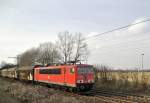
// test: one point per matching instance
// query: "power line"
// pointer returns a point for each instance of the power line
(124, 46)
(129, 40)
(146, 20)
(129, 44)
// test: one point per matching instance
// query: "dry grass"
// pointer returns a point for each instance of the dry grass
(124, 81)
(29, 93)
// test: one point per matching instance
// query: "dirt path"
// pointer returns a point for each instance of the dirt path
(5, 98)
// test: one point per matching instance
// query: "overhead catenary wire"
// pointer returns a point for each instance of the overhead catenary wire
(123, 27)
(145, 20)
(124, 49)
(119, 28)
(147, 38)
(124, 46)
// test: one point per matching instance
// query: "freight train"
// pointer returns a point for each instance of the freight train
(75, 77)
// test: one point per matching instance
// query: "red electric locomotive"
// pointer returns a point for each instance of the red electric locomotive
(78, 77)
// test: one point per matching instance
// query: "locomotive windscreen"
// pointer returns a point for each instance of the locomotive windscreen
(85, 69)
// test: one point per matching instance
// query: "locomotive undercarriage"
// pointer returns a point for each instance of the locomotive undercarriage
(78, 88)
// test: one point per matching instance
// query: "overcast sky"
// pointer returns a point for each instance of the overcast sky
(26, 23)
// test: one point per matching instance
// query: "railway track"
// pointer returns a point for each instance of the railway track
(103, 96)
(118, 97)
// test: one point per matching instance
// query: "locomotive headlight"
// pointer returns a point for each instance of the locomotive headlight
(90, 81)
(79, 81)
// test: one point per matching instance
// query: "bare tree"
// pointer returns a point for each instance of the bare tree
(47, 53)
(28, 57)
(72, 46)
(65, 45)
(68, 47)
(81, 48)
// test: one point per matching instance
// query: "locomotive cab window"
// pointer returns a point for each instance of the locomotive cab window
(84, 70)
(50, 71)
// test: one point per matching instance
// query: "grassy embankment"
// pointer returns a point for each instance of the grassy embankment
(128, 81)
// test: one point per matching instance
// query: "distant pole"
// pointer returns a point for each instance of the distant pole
(142, 60)
(17, 58)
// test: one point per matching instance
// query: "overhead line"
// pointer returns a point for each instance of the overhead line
(119, 28)
(147, 38)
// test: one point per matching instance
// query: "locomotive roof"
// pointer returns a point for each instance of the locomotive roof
(58, 66)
